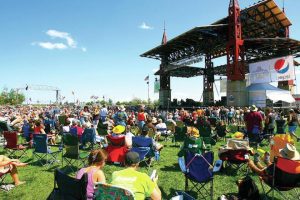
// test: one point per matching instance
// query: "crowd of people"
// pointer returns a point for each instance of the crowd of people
(118, 121)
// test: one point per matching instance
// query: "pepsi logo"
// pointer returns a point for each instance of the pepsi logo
(281, 66)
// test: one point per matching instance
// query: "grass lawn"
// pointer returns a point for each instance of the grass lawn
(40, 180)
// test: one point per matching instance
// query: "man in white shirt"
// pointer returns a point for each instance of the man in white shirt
(103, 113)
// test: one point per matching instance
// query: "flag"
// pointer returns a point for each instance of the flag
(29, 99)
(73, 93)
(156, 86)
(26, 88)
(147, 78)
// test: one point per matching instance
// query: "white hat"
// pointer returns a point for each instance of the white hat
(253, 108)
(290, 152)
(122, 108)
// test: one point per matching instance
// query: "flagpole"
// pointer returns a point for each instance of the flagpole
(148, 93)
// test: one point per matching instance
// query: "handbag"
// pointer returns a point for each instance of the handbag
(55, 195)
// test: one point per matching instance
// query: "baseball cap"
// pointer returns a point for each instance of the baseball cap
(132, 158)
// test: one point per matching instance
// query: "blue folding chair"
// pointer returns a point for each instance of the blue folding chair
(26, 131)
(88, 137)
(199, 172)
(42, 151)
(73, 131)
(144, 147)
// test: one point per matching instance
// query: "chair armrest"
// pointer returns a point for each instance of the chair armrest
(217, 166)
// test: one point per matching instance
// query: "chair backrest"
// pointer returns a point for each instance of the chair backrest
(106, 191)
(199, 167)
(40, 143)
(139, 141)
(71, 188)
(194, 145)
(89, 135)
(287, 172)
(26, 129)
(116, 141)
(180, 124)
(11, 139)
(71, 145)
(205, 131)
(73, 130)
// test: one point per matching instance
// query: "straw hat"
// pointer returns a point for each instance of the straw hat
(290, 152)
(122, 108)
(253, 108)
(118, 129)
(192, 131)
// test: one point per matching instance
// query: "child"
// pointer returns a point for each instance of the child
(96, 162)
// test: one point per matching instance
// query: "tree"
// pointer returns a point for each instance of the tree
(13, 97)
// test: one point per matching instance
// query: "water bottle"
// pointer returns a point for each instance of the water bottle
(156, 155)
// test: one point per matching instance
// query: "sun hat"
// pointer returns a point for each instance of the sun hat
(290, 152)
(122, 108)
(253, 108)
(291, 110)
(192, 131)
(132, 158)
(118, 129)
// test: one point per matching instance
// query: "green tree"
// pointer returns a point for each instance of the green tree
(13, 97)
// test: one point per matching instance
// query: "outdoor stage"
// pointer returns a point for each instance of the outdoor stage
(256, 33)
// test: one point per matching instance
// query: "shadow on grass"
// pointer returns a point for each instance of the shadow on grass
(172, 168)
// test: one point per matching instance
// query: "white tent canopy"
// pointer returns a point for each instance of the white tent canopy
(260, 92)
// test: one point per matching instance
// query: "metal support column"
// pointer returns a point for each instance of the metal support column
(208, 81)
(236, 84)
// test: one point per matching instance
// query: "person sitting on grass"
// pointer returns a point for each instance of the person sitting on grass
(10, 165)
(96, 162)
(289, 152)
(137, 182)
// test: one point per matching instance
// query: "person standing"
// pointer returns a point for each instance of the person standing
(254, 122)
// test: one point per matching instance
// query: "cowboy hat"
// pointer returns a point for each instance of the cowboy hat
(290, 152)
(122, 108)
(118, 129)
(253, 108)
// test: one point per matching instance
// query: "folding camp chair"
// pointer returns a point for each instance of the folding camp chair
(194, 145)
(233, 155)
(72, 155)
(14, 149)
(144, 147)
(236, 160)
(206, 133)
(116, 149)
(88, 138)
(42, 151)
(199, 172)
(284, 176)
(106, 191)
(66, 187)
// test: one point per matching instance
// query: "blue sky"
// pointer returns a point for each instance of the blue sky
(92, 47)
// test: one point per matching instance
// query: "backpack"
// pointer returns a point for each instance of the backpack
(247, 189)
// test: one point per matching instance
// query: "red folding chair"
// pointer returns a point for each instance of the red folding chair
(116, 149)
(283, 175)
(14, 149)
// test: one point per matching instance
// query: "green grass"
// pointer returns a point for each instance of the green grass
(40, 180)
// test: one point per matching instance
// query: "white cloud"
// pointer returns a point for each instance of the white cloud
(68, 42)
(145, 26)
(49, 45)
(63, 35)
